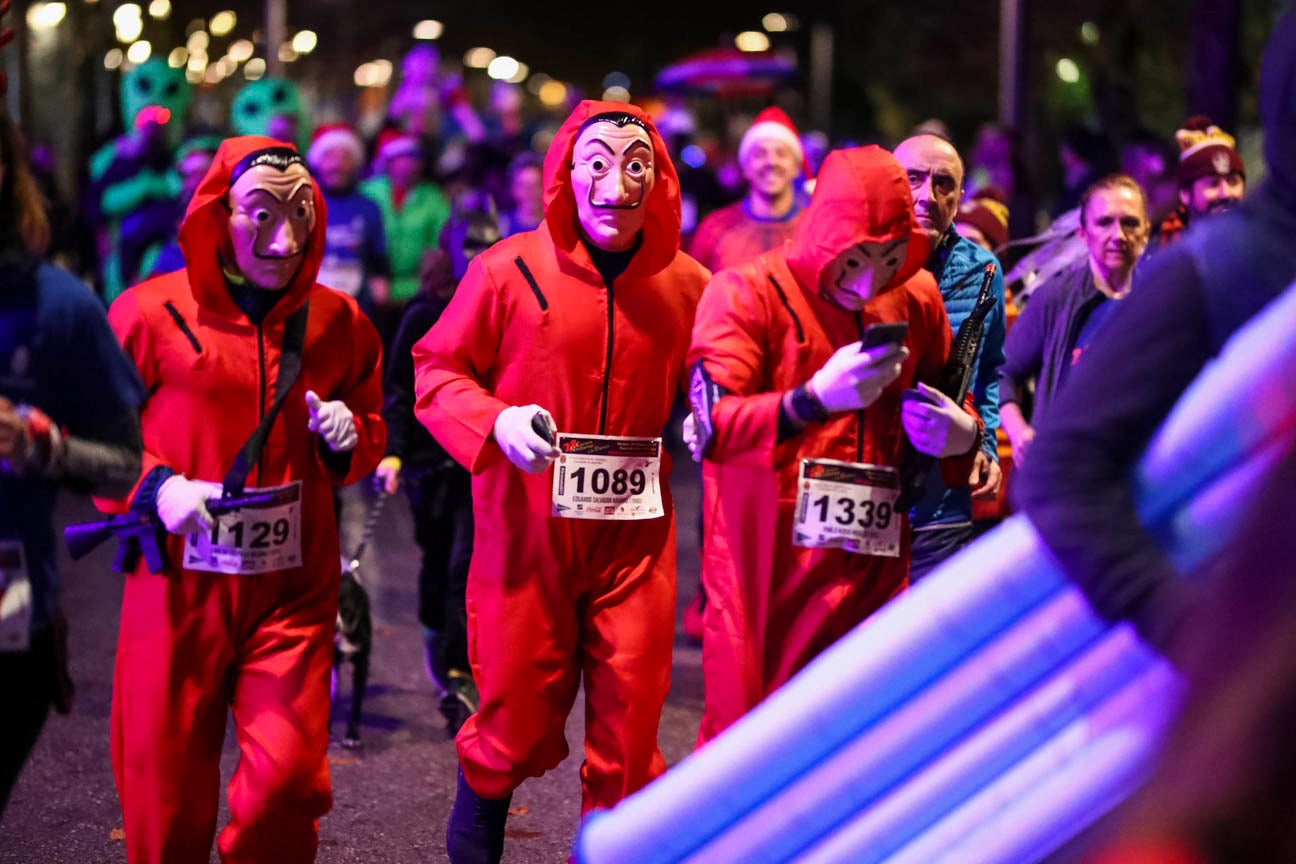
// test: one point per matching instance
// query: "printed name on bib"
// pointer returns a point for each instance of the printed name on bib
(15, 598)
(847, 505)
(606, 477)
(260, 539)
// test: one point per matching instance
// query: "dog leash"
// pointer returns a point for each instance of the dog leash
(371, 522)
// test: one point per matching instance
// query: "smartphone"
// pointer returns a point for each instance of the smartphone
(879, 334)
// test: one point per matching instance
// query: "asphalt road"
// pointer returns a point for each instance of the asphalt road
(392, 798)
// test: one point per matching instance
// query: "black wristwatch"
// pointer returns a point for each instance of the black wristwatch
(807, 406)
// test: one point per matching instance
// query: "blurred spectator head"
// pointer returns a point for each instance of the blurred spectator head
(421, 65)
(526, 182)
(1151, 160)
(471, 229)
(1085, 155)
(936, 180)
(1114, 225)
(506, 98)
(983, 219)
(335, 156)
(24, 225)
(193, 158)
(271, 107)
(1211, 175)
(770, 154)
(399, 155)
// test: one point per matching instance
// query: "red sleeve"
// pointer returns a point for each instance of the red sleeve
(132, 330)
(450, 363)
(730, 338)
(361, 391)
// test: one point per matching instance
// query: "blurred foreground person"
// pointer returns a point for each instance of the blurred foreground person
(68, 398)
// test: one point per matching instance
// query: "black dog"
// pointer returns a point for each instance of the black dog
(352, 641)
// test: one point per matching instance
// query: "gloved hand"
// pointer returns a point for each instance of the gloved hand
(689, 433)
(333, 422)
(182, 504)
(387, 475)
(854, 379)
(520, 443)
(935, 424)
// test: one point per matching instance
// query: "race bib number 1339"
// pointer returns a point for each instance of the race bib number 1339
(847, 505)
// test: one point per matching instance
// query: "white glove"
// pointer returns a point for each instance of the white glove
(333, 422)
(854, 379)
(182, 504)
(936, 425)
(689, 433)
(520, 443)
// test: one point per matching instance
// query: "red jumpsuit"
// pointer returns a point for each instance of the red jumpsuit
(194, 645)
(728, 237)
(552, 599)
(762, 329)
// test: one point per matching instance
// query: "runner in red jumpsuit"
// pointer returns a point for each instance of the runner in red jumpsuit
(583, 323)
(244, 623)
(780, 338)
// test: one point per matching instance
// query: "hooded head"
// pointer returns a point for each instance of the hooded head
(861, 213)
(258, 214)
(615, 194)
(1278, 107)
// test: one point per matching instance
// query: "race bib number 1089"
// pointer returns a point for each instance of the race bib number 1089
(607, 477)
(847, 505)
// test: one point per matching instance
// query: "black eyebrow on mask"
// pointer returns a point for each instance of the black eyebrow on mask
(639, 142)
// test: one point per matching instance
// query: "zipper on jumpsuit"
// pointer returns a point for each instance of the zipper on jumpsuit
(261, 380)
(859, 415)
(607, 366)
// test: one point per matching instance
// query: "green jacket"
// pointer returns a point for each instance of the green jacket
(410, 231)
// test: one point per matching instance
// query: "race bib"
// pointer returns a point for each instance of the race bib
(260, 539)
(604, 477)
(15, 598)
(846, 505)
(340, 275)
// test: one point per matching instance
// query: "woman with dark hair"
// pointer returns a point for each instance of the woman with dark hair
(68, 400)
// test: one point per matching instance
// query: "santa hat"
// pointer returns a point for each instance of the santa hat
(986, 211)
(393, 143)
(771, 123)
(1205, 150)
(332, 135)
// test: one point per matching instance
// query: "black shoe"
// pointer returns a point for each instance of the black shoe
(460, 701)
(475, 834)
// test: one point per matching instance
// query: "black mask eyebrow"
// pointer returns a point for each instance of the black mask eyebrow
(276, 157)
(617, 118)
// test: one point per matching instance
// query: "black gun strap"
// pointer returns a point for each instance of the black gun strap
(290, 362)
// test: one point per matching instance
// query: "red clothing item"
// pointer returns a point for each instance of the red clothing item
(727, 237)
(195, 644)
(552, 599)
(761, 330)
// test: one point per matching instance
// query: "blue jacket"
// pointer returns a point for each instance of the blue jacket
(958, 265)
(56, 354)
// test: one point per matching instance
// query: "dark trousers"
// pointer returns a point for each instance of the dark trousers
(931, 546)
(28, 688)
(441, 502)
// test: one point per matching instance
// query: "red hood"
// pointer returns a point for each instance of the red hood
(661, 230)
(206, 228)
(861, 195)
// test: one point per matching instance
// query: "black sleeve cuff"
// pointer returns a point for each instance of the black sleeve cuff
(145, 501)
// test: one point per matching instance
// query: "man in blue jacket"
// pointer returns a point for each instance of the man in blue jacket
(942, 520)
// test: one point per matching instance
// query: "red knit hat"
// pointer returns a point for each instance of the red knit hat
(1205, 150)
(986, 211)
(772, 123)
(331, 135)
(393, 143)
